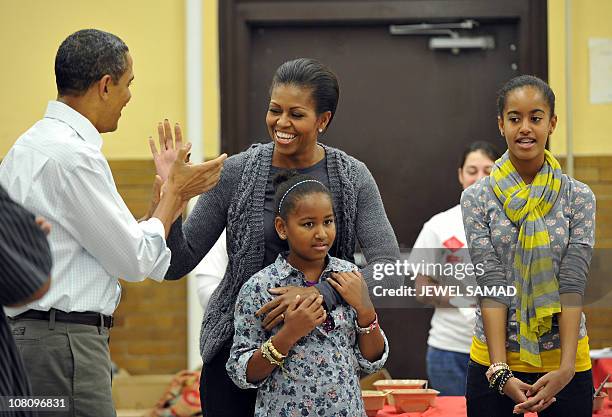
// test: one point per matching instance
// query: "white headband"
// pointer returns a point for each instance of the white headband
(291, 188)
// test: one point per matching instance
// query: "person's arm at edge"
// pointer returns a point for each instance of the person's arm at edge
(40, 292)
(18, 253)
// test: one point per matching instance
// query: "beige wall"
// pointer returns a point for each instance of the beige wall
(154, 31)
(592, 122)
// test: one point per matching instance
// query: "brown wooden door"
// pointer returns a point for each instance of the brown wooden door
(405, 110)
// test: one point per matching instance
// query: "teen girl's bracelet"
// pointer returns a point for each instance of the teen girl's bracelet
(371, 327)
(499, 379)
(506, 377)
(494, 368)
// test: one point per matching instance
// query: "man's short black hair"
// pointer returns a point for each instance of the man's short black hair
(86, 56)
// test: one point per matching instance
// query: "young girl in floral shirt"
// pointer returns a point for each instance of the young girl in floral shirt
(309, 365)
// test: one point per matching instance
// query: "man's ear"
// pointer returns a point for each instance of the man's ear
(279, 225)
(103, 86)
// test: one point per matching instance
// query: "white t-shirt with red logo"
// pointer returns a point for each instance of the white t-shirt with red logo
(444, 236)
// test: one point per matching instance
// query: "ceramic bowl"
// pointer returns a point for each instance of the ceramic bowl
(373, 401)
(608, 388)
(387, 385)
(598, 402)
(390, 384)
(413, 400)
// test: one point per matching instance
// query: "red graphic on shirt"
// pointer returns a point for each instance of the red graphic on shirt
(453, 244)
(452, 259)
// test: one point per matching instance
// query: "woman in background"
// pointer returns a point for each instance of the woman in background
(442, 241)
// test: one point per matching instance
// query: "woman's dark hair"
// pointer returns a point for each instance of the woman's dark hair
(525, 81)
(290, 186)
(86, 56)
(486, 148)
(310, 73)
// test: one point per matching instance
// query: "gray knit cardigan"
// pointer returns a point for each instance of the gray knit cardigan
(237, 203)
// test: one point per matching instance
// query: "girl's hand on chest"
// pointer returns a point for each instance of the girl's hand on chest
(353, 289)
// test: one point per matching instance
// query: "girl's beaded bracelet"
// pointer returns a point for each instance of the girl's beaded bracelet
(371, 327)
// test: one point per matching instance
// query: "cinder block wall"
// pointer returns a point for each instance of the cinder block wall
(596, 171)
(150, 333)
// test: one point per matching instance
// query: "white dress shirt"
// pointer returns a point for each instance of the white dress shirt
(56, 170)
(211, 269)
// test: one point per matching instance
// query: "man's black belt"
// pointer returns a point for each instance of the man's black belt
(87, 317)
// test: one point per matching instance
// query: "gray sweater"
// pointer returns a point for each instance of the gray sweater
(237, 203)
(492, 240)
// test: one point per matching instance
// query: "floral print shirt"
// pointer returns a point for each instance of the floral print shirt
(492, 240)
(321, 376)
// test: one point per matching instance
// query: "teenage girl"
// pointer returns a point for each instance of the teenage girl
(531, 227)
(310, 363)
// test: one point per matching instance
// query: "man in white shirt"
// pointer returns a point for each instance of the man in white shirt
(56, 170)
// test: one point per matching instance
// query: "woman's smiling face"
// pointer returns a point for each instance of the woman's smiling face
(292, 120)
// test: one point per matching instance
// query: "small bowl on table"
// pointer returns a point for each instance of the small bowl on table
(413, 400)
(388, 385)
(598, 402)
(373, 401)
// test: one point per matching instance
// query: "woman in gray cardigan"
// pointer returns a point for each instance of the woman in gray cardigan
(303, 99)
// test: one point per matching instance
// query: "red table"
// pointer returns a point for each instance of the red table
(455, 407)
(601, 367)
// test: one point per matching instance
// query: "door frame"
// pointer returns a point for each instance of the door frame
(236, 18)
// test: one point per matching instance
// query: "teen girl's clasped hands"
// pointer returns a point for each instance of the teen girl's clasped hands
(309, 364)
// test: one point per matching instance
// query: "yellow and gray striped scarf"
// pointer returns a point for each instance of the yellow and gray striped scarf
(534, 277)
